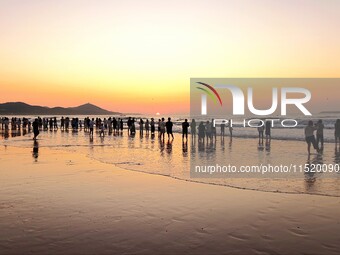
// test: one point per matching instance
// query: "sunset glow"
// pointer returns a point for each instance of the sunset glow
(139, 56)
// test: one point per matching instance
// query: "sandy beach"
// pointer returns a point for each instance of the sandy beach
(68, 203)
(150, 127)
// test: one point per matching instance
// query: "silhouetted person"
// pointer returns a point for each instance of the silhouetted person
(169, 126)
(185, 127)
(230, 129)
(193, 127)
(213, 129)
(260, 129)
(161, 127)
(133, 128)
(114, 125)
(152, 126)
(102, 129)
(129, 124)
(91, 127)
(319, 133)
(208, 131)
(62, 123)
(147, 126)
(337, 132)
(141, 127)
(121, 124)
(55, 123)
(222, 128)
(268, 131)
(35, 129)
(309, 135)
(201, 132)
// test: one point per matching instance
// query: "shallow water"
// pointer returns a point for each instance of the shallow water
(173, 158)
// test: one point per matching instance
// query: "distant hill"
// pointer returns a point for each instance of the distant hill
(19, 108)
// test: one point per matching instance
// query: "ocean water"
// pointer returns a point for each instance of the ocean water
(174, 158)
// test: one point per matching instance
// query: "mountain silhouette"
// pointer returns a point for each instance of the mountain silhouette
(20, 108)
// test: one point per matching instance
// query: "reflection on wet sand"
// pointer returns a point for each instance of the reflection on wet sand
(174, 157)
(35, 152)
(336, 155)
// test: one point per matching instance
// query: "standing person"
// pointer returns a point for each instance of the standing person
(67, 123)
(337, 132)
(147, 126)
(51, 123)
(35, 129)
(230, 126)
(105, 123)
(213, 129)
(193, 127)
(109, 124)
(55, 123)
(114, 124)
(161, 127)
(121, 124)
(260, 129)
(208, 131)
(133, 128)
(222, 128)
(129, 124)
(91, 126)
(62, 123)
(201, 132)
(102, 129)
(268, 131)
(169, 126)
(185, 126)
(309, 136)
(319, 133)
(141, 127)
(152, 126)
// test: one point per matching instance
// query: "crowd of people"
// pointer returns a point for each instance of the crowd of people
(205, 131)
(318, 142)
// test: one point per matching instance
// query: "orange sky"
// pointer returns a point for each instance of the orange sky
(139, 56)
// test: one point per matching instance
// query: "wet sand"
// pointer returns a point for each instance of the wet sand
(66, 203)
